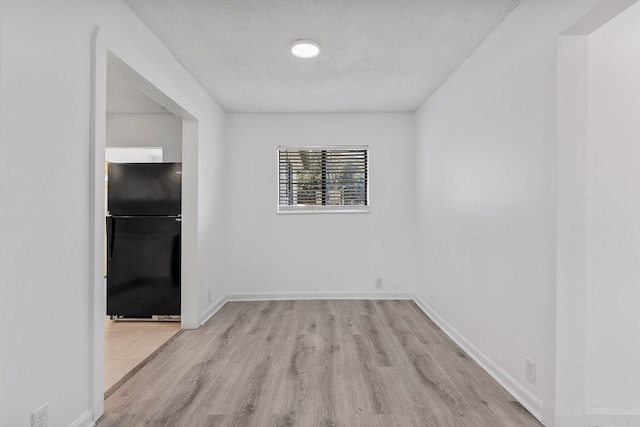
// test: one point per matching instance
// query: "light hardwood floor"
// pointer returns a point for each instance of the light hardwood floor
(314, 363)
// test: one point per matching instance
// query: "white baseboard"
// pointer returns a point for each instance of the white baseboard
(598, 417)
(85, 420)
(519, 392)
(189, 325)
(266, 296)
(213, 309)
(319, 295)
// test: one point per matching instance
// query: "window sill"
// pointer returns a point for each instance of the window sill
(299, 210)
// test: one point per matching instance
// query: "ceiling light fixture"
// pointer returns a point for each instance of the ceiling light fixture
(305, 49)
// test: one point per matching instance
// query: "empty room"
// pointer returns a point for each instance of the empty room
(382, 213)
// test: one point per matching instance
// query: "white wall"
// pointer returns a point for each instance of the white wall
(212, 228)
(319, 254)
(613, 218)
(45, 84)
(147, 130)
(486, 158)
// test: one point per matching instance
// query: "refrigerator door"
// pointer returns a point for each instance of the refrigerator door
(143, 266)
(144, 188)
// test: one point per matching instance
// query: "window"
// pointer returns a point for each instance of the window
(323, 179)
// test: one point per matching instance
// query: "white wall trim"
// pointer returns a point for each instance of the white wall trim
(85, 420)
(601, 417)
(532, 403)
(213, 309)
(97, 297)
(318, 295)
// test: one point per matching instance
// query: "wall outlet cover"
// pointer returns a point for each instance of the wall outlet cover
(40, 417)
(530, 371)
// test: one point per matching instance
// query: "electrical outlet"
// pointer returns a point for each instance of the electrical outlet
(378, 282)
(40, 417)
(530, 371)
(209, 296)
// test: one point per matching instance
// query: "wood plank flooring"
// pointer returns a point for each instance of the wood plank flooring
(323, 363)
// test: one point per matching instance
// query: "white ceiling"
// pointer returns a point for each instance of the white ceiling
(376, 55)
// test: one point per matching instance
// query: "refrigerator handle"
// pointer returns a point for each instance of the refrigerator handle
(111, 232)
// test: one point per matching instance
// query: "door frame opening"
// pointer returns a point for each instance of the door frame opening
(108, 49)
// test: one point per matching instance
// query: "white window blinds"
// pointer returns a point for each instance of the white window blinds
(329, 179)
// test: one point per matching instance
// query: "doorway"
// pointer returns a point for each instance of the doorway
(130, 344)
(107, 55)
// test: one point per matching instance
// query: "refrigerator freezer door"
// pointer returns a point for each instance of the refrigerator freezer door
(144, 189)
(143, 266)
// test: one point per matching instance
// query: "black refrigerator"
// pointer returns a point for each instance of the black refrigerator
(143, 239)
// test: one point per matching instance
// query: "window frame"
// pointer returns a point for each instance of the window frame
(320, 209)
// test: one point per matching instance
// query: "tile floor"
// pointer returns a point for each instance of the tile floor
(127, 344)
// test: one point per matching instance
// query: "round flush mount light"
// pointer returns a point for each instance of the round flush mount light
(305, 49)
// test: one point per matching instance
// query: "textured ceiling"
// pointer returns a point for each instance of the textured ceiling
(376, 55)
